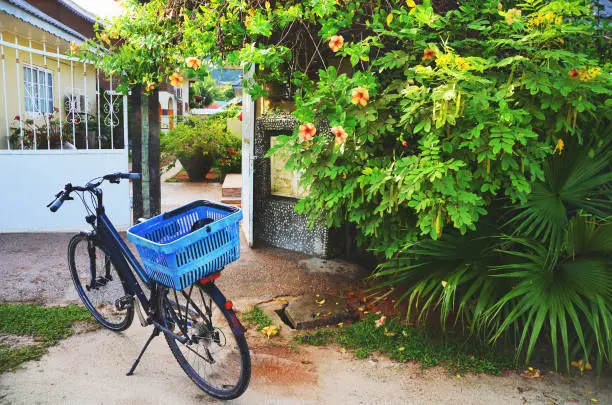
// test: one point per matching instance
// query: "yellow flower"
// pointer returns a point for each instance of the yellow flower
(150, 86)
(269, 331)
(73, 47)
(560, 146)
(176, 80)
(193, 62)
(336, 42)
(513, 15)
(360, 96)
(104, 37)
(444, 60)
(462, 64)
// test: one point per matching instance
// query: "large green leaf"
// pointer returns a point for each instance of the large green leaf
(575, 180)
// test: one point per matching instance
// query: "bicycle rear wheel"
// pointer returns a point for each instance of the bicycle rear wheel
(216, 357)
(98, 283)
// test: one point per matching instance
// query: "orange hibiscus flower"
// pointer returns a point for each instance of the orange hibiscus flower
(360, 96)
(307, 131)
(176, 80)
(340, 134)
(150, 86)
(336, 42)
(73, 47)
(574, 73)
(428, 54)
(193, 63)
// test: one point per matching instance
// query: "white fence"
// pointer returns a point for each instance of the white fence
(58, 124)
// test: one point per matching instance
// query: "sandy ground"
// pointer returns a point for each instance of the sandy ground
(89, 368)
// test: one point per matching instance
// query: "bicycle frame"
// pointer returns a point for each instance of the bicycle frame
(109, 239)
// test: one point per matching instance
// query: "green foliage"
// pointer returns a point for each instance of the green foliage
(46, 325)
(202, 93)
(549, 284)
(406, 344)
(207, 135)
(318, 337)
(257, 317)
(12, 357)
(567, 298)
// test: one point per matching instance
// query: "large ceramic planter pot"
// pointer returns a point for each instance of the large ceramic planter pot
(197, 165)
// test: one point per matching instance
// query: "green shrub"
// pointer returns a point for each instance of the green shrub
(209, 134)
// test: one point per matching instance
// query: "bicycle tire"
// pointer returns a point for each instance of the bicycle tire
(231, 392)
(111, 290)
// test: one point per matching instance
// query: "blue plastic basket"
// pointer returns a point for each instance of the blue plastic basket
(176, 257)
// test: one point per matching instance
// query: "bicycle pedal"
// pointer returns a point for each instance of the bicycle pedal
(124, 302)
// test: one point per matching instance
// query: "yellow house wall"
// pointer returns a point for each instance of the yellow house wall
(13, 86)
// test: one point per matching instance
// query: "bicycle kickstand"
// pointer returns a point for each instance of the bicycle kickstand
(153, 335)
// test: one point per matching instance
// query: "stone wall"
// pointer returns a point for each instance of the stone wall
(275, 221)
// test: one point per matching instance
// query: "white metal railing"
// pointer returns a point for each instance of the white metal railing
(74, 122)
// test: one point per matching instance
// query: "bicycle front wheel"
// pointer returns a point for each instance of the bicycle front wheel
(216, 356)
(98, 283)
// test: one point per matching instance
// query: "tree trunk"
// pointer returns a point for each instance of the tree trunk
(135, 136)
(144, 129)
(154, 155)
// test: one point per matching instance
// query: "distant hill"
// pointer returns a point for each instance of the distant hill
(226, 75)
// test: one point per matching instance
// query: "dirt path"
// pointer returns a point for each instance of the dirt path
(89, 368)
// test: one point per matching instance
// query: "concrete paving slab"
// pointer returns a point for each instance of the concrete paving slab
(311, 311)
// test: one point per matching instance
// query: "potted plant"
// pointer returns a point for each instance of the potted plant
(195, 143)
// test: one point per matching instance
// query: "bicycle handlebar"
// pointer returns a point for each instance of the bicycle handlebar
(64, 194)
(56, 204)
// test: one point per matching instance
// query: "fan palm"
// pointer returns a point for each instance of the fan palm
(566, 297)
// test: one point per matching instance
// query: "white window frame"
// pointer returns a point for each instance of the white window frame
(40, 101)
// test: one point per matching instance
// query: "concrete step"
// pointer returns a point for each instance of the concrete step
(232, 186)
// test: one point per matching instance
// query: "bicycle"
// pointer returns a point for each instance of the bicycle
(183, 252)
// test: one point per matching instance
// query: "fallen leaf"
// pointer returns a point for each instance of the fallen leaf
(573, 400)
(330, 313)
(321, 302)
(340, 324)
(306, 362)
(317, 295)
(458, 376)
(361, 309)
(389, 333)
(532, 373)
(401, 349)
(318, 314)
(594, 400)
(404, 333)
(337, 303)
(342, 350)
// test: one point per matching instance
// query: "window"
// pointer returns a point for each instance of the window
(179, 93)
(284, 182)
(38, 92)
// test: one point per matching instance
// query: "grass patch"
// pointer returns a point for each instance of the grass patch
(46, 325)
(456, 353)
(257, 317)
(319, 337)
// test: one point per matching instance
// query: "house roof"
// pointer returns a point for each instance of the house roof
(78, 10)
(25, 11)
